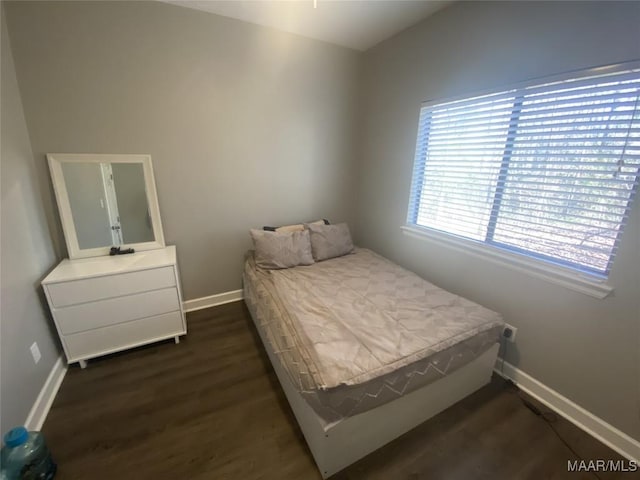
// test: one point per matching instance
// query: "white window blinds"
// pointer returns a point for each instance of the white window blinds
(546, 170)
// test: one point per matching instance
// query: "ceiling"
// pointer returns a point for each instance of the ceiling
(357, 24)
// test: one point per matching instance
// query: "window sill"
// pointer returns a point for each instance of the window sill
(534, 268)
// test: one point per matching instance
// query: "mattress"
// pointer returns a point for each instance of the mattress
(359, 331)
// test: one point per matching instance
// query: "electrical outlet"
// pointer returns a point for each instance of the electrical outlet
(509, 333)
(35, 352)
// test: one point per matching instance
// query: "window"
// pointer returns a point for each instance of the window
(547, 170)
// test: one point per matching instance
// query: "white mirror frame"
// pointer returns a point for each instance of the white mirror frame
(64, 207)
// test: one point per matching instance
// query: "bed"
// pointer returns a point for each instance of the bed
(366, 350)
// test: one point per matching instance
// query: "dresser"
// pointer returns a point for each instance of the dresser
(105, 304)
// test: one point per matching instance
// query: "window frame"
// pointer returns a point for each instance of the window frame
(531, 263)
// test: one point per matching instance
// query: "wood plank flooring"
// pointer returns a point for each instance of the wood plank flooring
(211, 408)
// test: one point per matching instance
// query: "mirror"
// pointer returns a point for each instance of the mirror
(105, 201)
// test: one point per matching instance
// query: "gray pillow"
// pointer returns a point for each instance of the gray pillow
(281, 249)
(329, 241)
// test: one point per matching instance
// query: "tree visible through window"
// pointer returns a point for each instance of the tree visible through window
(547, 170)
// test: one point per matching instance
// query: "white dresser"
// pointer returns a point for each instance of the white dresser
(106, 304)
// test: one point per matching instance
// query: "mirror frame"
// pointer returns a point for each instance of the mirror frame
(64, 206)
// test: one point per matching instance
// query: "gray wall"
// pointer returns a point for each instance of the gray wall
(586, 349)
(246, 125)
(26, 256)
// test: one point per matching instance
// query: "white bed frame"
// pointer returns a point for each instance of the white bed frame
(344, 443)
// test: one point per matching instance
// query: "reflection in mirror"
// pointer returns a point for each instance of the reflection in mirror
(108, 203)
(135, 221)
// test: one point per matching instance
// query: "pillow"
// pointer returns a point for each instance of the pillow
(286, 228)
(329, 241)
(281, 249)
(298, 227)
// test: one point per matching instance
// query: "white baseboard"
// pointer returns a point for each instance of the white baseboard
(42, 405)
(587, 421)
(212, 300)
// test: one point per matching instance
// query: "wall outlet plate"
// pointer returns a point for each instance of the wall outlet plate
(509, 333)
(35, 352)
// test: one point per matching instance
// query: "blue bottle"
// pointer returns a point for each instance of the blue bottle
(25, 456)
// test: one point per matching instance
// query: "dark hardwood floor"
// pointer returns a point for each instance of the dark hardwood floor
(211, 408)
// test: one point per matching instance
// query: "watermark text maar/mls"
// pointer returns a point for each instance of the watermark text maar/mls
(601, 465)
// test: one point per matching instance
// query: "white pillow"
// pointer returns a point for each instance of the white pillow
(298, 227)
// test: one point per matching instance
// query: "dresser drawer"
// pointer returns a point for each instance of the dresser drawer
(86, 316)
(126, 335)
(108, 286)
